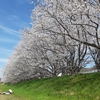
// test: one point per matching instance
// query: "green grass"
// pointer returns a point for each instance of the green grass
(80, 87)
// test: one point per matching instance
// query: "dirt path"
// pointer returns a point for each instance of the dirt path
(10, 97)
(6, 97)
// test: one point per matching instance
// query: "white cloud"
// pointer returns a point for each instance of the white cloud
(22, 1)
(11, 31)
(7, 51)
(7, 40)
(3, 60)
(13, 18)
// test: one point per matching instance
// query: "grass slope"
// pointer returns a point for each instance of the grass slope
(80, 87)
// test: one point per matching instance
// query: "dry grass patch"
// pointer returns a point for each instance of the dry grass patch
(97, 98)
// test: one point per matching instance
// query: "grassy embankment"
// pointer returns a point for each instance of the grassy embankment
(80, 87)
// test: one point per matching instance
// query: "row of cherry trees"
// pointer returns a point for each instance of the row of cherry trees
(65, 34)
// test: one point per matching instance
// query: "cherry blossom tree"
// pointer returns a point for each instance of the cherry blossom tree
(57, 42)
(78, 20)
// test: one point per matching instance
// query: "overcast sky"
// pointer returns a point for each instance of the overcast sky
(14, 16)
